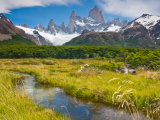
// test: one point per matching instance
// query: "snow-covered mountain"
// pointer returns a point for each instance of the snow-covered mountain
(58, 35)
(150, 22)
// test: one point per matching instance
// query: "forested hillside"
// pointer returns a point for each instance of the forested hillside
(135, 57)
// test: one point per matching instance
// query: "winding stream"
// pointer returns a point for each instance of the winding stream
(55, 98)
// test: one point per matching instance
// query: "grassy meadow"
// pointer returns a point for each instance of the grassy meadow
(140, 91)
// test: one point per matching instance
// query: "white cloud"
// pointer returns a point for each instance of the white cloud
(7, 5)
(130, 8)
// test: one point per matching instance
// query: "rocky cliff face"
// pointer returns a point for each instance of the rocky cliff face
(71, 25)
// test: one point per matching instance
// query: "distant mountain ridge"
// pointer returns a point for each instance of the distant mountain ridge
(143, 32)
(94, 21)
(59, 35)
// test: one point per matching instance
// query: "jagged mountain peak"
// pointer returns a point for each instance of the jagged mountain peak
(2, 15)
(144, 15)
(40, 28)
(51, 26)
(73, 14)
(116, 19)
(5, 18)
(62, 24)
(96, 8)
(51, 21)
(96, 15)
(25, 25)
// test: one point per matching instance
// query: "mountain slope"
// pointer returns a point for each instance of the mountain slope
(112, 39)
(17, 40)
(142, 32)
(7, 30)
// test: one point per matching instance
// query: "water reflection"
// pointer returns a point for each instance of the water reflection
(55, 98)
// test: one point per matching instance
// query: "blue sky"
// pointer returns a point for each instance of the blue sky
(33, 12)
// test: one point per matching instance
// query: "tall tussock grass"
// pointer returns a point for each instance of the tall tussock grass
(127, 98)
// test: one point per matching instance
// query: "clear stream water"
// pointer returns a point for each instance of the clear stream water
(55, 98)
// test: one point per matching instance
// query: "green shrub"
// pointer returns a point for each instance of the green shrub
(108, 66)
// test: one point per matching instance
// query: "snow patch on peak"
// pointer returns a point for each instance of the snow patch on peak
(113, 28)
(80, 23)
(93, 24)
(112, 25)
(90, 19)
